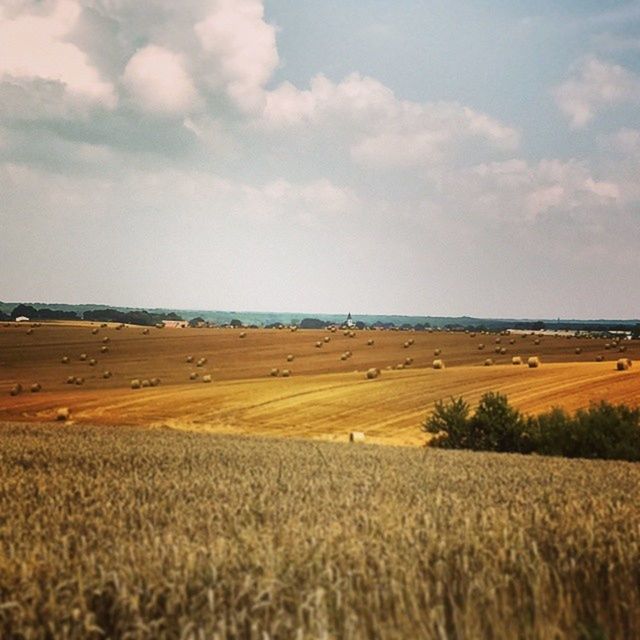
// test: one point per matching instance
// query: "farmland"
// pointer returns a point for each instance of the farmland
(325, 396)
(157, 533)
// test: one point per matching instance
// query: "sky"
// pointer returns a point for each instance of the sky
(409, 157)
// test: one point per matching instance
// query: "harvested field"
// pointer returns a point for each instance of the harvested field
(163, 534)
(325, 398)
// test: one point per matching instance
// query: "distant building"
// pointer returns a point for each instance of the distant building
(174, 324)
(22, 319)
(350, 323)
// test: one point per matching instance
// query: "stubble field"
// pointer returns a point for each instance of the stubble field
(325, 397)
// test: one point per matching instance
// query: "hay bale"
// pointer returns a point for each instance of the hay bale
(104, 349)
(622, 349)
(536, 341)
(93, 362)
(71, 380)
(578, 351)
(189, 359)
(79, 381)
(370, 342)
(400, 366)
(193, 375)
(294, 328)
(411, 340)
(35, 387)
(103, 325)
(516, 360)
(206, 378)
(326, 338)
(438, 364)
(607, 346)
(145, 332)
(356, 436)
(623, 364)
(65, 360)
(496, 350)
(481, 346)
(408, 361)
(29, 332)
(372, 373)
(290, 358)
(498, 340)
(63, 414)
(83, 357)
(135, 383)
(286, 373)
(503, 351)
(406, 345)
(154, 382)
(345, 334)
(533, 362)
(146, 383)
(344, 356)
(512, 341)
(318, 344)
(472, 334)
(106, 374)
(599, 358)
(16, 389)
(352, 334)
(437, 352)
(94, 332)
(243, 334)
(106, 340)
(488, 362)
(274, 372)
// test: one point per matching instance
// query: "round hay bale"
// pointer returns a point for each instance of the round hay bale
(345, 334)
(370, 342)
(352, 334)
(356, 436)
(400, 366)
(607, 346)
(35, 387)
(372, 373)
(472, 334)
(488, 362)
(63, 414)
(159, 325)
(411, 340)
(623, 364)
(294, 328)
(193, 375)
(496, 350)
(206, 378)
(93, 362)
(622, 349)
(516, 360)
(106, 340)
(106, 374)
(286, 373)
(135, 383)
(104, 349)
(318, 344)
(578, 351)
(503, 351)
(599, 358)
(79, 381)
(83, 357)
(94, 332)
(65, 360)
(29, 332)
(481, 346)
(408, 361)
(103, 325)
(243, 334)
(290, 358)
(154, 382)
(146, 383)
(512, 341)
(326, 338)
(189, 359)
(437, 352)
(536, 341)
(71, 380)
(344, 356)
(145, 332)
(498, 340)
(438, 364)
(274, 372)
(406, 345)
(16, 390)
(533, 362)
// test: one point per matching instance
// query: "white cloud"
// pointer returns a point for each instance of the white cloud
(241, 50)
(595, 85)
(515, 190)
(34, 47)
(383, 129)
(158, 81)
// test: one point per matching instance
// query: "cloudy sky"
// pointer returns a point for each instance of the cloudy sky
(428, 157)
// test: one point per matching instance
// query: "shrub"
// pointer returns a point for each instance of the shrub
(450, 417)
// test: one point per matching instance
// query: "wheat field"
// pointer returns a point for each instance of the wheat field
(123, 532)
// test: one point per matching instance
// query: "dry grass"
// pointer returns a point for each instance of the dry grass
(157, 534)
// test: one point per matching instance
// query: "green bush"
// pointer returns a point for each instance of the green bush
(602, 431)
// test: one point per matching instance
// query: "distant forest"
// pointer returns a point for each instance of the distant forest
(128, 315)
